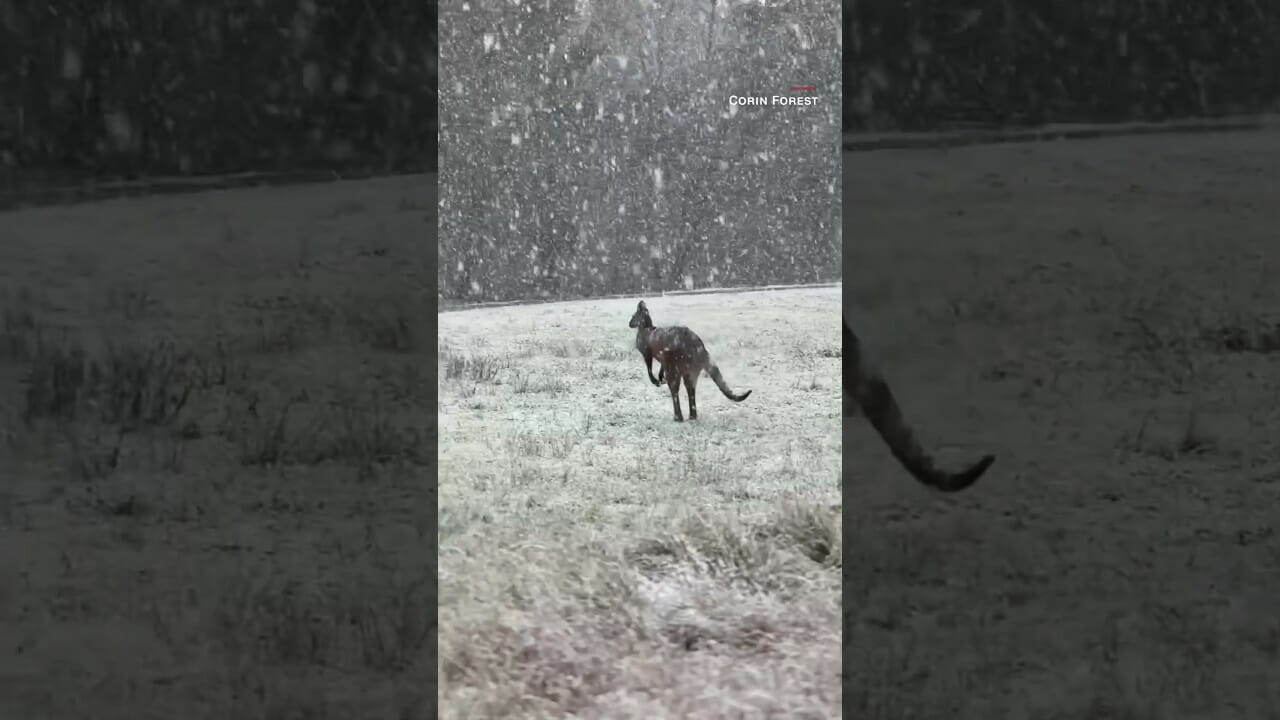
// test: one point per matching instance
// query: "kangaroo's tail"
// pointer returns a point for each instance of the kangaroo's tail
(880, 407)
(714, 371)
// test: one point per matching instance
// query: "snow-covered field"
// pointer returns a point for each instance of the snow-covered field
(568, 404)
(590, 544)
(1102, 315)
(263, 549)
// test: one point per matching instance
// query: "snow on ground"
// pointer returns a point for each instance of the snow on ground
(1102, 316)
(571, 407)
(598, 557)
(261, 552)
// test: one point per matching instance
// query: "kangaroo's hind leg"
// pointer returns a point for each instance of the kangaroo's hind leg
(673, 384)
(690, 386)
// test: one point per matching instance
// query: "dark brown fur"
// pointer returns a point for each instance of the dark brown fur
(683, 357)
(872, 394)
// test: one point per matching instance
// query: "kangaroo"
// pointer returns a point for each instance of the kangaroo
(681, 351)
(864, 383)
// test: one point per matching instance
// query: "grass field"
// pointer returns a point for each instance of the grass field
(1103, 315)
(208, 515)
(205, 513)
(600, 559)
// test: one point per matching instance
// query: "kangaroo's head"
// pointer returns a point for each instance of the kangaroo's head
(641, 319)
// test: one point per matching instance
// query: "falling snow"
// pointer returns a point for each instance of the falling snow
(592, 148)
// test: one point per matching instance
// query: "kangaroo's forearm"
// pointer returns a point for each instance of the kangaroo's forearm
(648, 368)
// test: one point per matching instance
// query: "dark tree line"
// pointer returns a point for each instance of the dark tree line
(937, 64)
(124, 88)
(121, 87)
